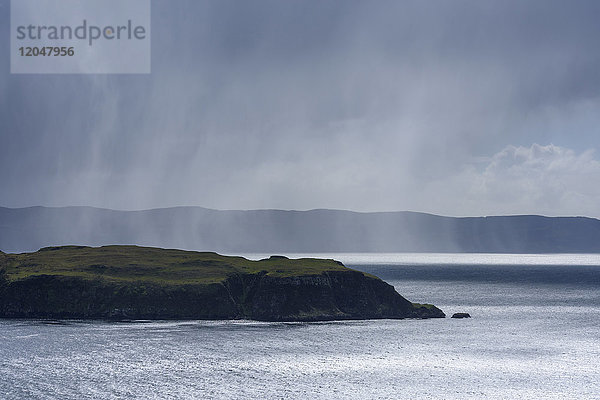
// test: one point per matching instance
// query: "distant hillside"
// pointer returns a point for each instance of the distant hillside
(272, 231)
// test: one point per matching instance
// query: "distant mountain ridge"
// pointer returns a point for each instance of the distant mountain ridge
(278, 231)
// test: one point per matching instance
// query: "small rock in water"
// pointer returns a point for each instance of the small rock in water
(461, 315)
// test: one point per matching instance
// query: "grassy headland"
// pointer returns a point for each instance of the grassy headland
(152, 283)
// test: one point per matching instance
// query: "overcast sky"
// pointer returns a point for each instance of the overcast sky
(448, 107)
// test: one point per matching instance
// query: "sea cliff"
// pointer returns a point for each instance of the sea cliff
(130, 282)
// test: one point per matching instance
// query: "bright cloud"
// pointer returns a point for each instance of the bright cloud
(537, 179)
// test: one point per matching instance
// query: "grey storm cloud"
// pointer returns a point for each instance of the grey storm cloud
(389, 105)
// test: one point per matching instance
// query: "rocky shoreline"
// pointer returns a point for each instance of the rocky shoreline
(335, 293)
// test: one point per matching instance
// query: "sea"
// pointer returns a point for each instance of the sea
(534, 334)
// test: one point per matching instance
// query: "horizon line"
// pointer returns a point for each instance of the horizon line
(302, 211)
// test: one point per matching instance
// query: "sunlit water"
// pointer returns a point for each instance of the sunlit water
(535, 334)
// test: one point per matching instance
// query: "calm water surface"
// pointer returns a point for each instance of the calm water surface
(534, 335)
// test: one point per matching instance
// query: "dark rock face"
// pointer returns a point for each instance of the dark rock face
(65, 297)
(328, 296)
(461, 315)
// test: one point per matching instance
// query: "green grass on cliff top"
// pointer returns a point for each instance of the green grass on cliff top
(148, 264)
